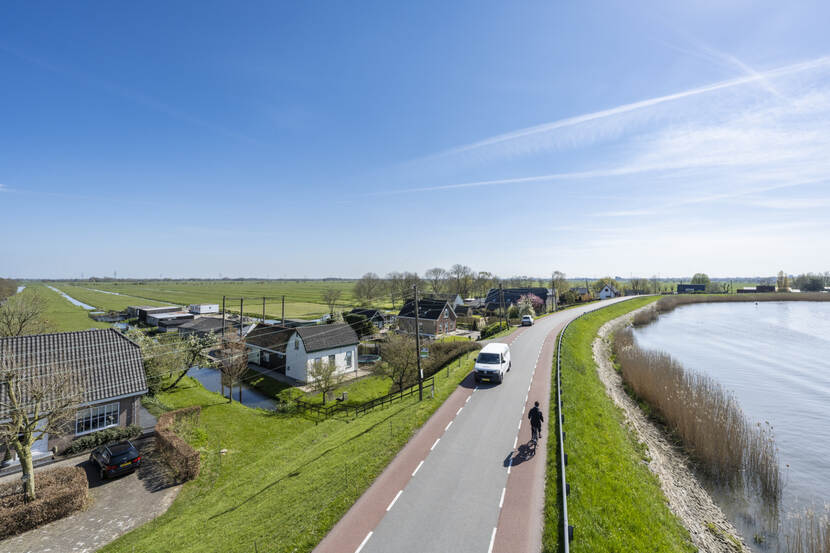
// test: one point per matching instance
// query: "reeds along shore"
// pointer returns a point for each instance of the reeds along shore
(706, 418)
(809, 533)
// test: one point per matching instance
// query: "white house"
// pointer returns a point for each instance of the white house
(608, 292)
(203, 308)
(333, 343)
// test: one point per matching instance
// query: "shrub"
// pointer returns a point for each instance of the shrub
(442, 353)
(102, 437)
(182, 459)
(492, 329)
(60, 492)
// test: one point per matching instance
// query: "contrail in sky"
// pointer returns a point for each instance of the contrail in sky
(763, 77)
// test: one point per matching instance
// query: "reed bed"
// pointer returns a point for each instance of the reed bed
(645, 316)
(706, 417)
(808, 533)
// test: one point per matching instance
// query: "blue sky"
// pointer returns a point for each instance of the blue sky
(331, 139)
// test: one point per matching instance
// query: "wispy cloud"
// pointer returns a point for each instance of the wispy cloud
(790, 203)
(537, 130)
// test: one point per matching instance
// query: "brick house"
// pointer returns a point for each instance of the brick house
(437, 317)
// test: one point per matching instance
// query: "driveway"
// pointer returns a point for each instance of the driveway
(117, 506)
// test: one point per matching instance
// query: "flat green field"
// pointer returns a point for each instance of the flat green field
(616, 503)
(60, 314)
(303, 299)
(102, 300)
(285, 480)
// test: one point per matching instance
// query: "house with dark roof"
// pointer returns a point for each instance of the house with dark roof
(511, 296)
(452, 299)
(293, 351)
(374, 316)
(205, 326)
(436, 317)
(102, 363)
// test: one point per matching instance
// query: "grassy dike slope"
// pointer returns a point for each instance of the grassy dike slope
(616, 503)
(285, 481)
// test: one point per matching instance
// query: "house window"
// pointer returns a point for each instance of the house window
(348, 359)
(331, 360)
(297, 343)
(96, 417)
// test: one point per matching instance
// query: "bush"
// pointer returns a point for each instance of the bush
(60, 492)
(287, 399)
(492, 329)
(442, 353)
(182, 459)
(102, 437)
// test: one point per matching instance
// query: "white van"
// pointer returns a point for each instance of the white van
(492, 363)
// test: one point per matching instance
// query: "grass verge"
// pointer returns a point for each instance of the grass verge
(284, 481)
(615, 503)
(61, 315)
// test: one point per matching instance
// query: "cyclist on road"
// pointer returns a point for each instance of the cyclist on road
(536, 420)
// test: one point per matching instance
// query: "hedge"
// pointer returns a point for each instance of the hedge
(59, 492)
(442, 353)
(182, 459)
(102, 437)
(492, 329)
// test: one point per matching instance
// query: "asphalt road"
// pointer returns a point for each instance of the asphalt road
(454, 498)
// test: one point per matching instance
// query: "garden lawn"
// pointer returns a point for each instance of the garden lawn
(284, 481)
(615, 503)
(61, 315)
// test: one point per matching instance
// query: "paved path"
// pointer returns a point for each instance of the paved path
(470, 480)
(118, 506)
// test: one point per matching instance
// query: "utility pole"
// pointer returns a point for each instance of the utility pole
(263, 309)
(223, 319)
(418, 347)
(240, 316)
(282, 320)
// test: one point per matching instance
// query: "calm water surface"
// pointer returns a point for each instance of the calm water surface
(211, 380)
(775, 357)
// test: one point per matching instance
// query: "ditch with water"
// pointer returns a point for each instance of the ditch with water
(775, 358)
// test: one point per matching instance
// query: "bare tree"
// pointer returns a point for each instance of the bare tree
(400, 361)
(233, 363)
(162, 360)
(369, 287)
(394, 287)
(324, 377)
(193, 350)
(437, 279)
(23, 314)
(8, 287)
(330, 297)
(461, 279)
(32, 405)
(482, 283)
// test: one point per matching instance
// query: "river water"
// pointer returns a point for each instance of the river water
(775, 358)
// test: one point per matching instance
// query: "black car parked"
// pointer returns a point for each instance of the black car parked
(115, 459)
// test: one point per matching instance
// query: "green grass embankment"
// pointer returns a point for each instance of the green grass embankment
(285, 480)
(615, 503)
(102, 300)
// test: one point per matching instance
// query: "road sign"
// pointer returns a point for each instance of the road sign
(424, 352)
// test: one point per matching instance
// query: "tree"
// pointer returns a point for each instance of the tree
(36, 403)
(23, 314)
(369, 287)
(482, 282)
(639, 285)
(330, 297)
(324, 377)
(560, 283)
(437, 279)
(194, 352)
(161, 360)
(233, 364)
(394, 283)
(809, 282)
(400, 361)
(8, 288)
(360, 324)
(461, 278)
(529, 304)
(700, 278)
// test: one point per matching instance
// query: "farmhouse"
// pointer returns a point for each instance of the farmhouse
(293, 351)
(435, 316)
(582, 293)
(512, 295)
(104, 365)
(607, 292)
(452, 299)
